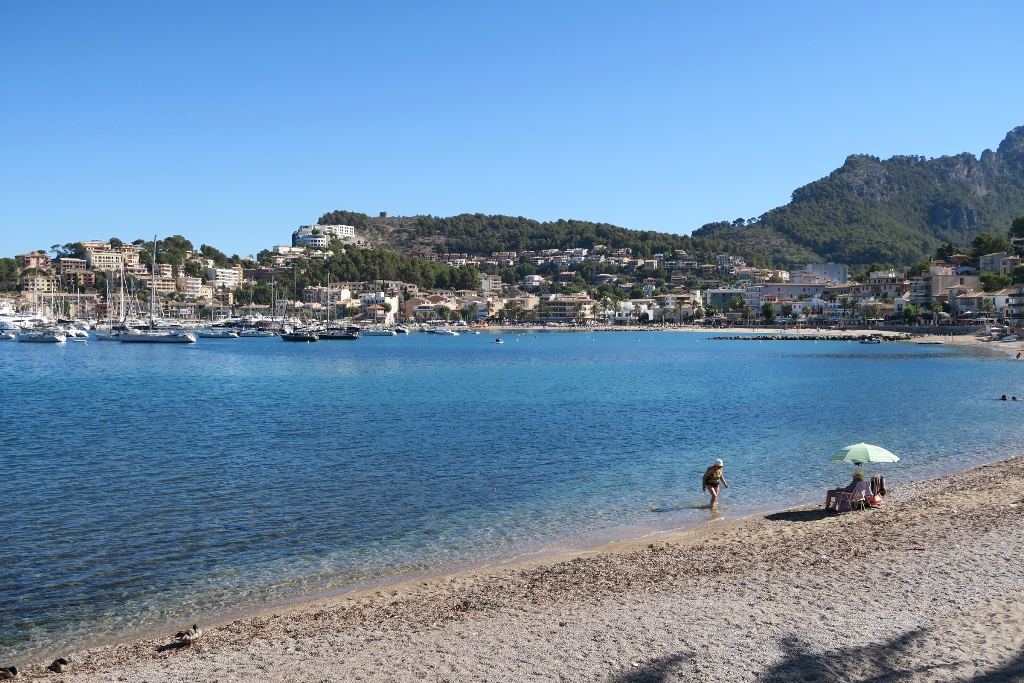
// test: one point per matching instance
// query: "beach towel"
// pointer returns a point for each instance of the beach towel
(878, 485)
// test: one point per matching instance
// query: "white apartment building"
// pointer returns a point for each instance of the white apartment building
(324, 295)
(190, 286)
(321, 235)
(829, 272)
(379, 299)
(490, 283)
(532, 282)
(227, 278)
(104, 259)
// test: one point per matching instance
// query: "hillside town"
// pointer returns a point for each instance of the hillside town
(96, 280)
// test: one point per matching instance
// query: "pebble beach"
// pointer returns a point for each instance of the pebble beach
(929, 587)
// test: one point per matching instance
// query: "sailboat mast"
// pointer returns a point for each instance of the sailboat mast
(152, 292)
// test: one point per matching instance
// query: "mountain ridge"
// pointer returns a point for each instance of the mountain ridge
(895, 211)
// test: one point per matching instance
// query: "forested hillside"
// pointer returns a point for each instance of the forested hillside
(894, 211)
(483, 234)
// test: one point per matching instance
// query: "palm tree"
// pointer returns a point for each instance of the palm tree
(636, 312)
(988, 305)
(937, 308)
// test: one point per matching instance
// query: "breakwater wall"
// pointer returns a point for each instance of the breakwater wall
(842, 336)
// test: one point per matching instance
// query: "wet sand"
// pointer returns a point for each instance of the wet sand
(928, 588)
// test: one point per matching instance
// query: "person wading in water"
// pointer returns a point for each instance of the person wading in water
(711, 480)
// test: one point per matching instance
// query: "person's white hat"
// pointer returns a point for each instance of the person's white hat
(719, 462)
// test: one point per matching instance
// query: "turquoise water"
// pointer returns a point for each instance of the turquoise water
(147, 484)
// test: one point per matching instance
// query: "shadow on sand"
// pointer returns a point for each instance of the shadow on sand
(895, 661)
(890, 662)
(798, 515)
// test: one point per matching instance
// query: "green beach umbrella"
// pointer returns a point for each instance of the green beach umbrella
(860, 453)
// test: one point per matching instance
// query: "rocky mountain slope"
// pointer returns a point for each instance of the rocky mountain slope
(893, 211)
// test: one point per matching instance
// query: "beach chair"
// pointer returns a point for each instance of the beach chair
(859, 496)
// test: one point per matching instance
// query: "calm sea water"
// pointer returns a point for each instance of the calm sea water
(148, 484)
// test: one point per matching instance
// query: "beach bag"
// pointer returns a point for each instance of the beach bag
(875, 500)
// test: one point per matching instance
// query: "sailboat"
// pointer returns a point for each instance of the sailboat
(152, 335)
(110, 334)
(212, 332)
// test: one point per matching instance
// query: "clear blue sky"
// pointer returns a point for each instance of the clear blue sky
(232, 125)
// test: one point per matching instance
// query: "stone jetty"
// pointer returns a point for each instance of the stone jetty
(860, 336)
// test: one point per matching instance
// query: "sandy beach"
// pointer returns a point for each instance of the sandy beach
(928, 588)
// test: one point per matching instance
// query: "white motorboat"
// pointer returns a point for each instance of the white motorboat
(379, 333)
(42, 336)
(7, 335)
(399, 329)
(933, 342)
(220, 333)
(446, 333)
(257, 333)
(113, 335)
(157, 337)
(499, 340)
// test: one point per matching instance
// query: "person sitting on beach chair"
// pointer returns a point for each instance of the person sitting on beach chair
(855, 494)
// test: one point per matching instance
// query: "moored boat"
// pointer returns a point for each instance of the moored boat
(217, 333)
(300, 336)
(42, 336)
(379, 333)
(350, 333)
(157, 337)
